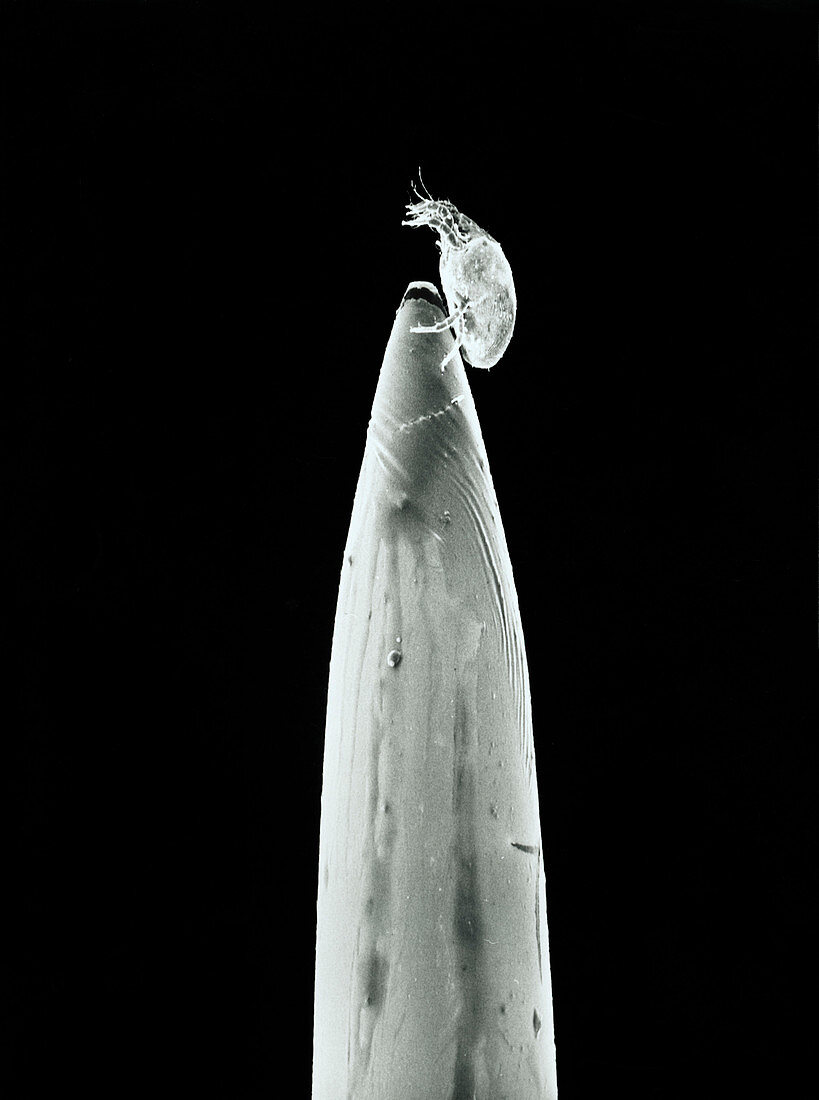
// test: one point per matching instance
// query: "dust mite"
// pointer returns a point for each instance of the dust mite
(476, 280)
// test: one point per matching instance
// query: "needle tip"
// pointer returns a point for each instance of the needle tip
(427, 292)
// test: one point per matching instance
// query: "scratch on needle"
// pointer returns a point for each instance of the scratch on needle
(530, 849)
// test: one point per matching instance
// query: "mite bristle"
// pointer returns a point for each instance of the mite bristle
(426, 193)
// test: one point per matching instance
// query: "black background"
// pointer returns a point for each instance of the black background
(201, 228)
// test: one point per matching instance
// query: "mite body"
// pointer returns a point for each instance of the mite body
(476, 279)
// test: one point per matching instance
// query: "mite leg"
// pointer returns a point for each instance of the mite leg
(459, 339)
(453, 351)
(448, 322)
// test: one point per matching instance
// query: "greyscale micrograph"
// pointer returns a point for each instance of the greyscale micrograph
(402, 411)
